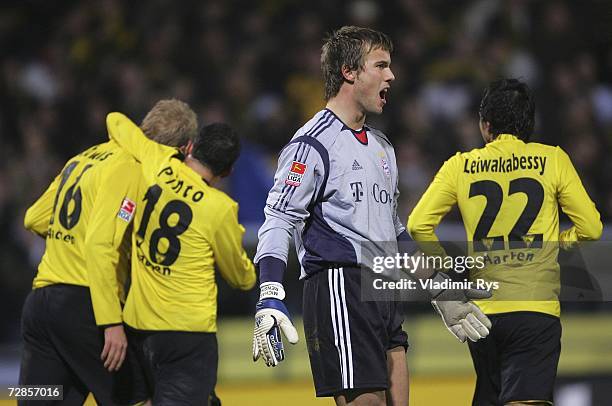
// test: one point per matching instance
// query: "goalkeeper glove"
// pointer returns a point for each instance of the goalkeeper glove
(272, 317)
(461, 317)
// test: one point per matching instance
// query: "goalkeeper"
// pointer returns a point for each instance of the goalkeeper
(335, 189)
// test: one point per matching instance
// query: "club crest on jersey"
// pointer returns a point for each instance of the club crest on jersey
(126, 212)
(385, 167)
(296, 174)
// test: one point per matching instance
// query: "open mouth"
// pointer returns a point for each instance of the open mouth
(383, 95)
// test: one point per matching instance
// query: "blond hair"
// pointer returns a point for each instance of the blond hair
(170, 122)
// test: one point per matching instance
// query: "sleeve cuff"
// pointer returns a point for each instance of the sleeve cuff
(405, 244)
(404, 236)
(271, 270)
(103, 326)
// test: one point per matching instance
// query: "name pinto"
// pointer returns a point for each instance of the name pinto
(179, 186)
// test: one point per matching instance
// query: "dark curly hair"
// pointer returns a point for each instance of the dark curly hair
(218, 147)
(508, 106)
(348, 46)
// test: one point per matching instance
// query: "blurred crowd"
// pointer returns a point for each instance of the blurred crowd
(255, 64)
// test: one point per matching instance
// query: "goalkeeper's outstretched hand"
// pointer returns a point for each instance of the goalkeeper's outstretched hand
(272, 317)
(461, 317)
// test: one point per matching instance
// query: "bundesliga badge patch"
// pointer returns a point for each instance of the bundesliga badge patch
(126, 212)
(385, 167)
(296, 173)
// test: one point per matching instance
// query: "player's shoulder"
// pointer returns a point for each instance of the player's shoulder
(380, 135)
(95, 156)
(106, 152)
(323, 128)
(319, 134)
(117, 158)
(94, 151)
(111, 163)
(543, 148)
(553, 152)
(461, 155)
(218, 201)
(472, 153)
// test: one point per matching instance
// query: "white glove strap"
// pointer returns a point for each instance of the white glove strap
(271, 290)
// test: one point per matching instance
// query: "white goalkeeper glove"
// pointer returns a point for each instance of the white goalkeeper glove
(461, 317)
(272, 317)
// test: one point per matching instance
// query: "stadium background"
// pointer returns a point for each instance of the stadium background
(255, 64)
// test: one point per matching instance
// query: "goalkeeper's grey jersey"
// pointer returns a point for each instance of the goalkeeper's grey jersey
(334, 189)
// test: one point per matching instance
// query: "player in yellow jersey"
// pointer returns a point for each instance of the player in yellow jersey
(508, 193)
(84, 215)
(182, 231)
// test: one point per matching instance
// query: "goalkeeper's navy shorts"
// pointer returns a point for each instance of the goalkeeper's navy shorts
(348, 338)
(62, 346)
(518, 361)
(172, 367)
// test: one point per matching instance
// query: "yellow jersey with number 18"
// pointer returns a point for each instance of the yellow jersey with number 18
(182, 230)
(508, 194)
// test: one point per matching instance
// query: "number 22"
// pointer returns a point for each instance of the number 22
(494, 194)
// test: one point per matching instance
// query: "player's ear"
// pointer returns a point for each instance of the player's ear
(227, 173)
(485, 130)
(348, 74)
(187, 148)
(487, 127)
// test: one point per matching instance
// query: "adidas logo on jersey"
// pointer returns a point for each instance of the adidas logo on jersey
(356, 165)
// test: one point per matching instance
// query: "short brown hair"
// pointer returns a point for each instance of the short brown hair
(170, 122)
(348, 46)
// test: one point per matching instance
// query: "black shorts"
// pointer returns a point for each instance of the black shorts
(171, 367)
(62, 345)
(518, 360)
(348, 338)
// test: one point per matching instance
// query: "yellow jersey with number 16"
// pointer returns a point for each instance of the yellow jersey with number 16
(84, 215)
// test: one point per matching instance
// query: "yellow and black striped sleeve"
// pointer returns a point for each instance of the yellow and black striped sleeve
(231, 259)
